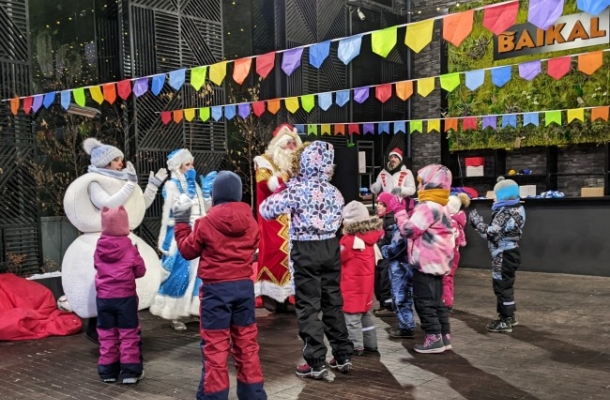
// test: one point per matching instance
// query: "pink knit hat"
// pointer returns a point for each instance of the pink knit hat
(115, 221)
(385, 198)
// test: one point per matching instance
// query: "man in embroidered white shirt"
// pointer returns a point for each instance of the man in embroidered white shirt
(395, 178)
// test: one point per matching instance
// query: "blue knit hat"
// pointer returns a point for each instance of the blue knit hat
(226, 188)
(506, 189)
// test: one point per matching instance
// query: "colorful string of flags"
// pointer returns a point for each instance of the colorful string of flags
(456, 27)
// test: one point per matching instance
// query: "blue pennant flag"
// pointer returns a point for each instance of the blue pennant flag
(49, 98)
(474, 79)
(342, 97)
(300, 128)
(217, 113)
(592, 7)
(531, 118)
(383, 127)
(176, 78)
(230, 112)
(500, 76)
(318, 53)
(157, 84)
(399, 126)
(66, 96)
(349, 48)
(509, 120)
(325, 100)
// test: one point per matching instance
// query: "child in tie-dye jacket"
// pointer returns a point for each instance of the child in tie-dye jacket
(431, 254)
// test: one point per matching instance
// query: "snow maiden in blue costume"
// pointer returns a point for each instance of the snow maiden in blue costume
(178, 296)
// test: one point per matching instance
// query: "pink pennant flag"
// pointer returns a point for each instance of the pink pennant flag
(383, 92)
(498, 18)
(258, 107)
(166, 116)
(265, 63)
(559, 67)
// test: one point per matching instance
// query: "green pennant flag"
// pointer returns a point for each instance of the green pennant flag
(308, 102)
(383, 41)
(312, 130)
(204, 114)
(198, 76)
(79, 96)
(552, 116)
(450, 82)
(416, 126)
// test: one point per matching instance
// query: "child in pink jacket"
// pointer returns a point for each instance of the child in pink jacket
(456, 207)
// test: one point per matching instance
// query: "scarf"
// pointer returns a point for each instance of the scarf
(395, 170)
(440, 196)
(505, 203)
(108, 172)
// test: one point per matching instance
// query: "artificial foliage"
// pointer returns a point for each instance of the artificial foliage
(519, 95)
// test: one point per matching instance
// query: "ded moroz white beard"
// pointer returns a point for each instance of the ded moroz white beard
(283, 158)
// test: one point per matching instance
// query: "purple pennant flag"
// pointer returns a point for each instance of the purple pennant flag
(140, 87)
(529, 70)
(37, 103)
(291, 60)
(543, 13)
(489, 122)
(243, 110)
(361, 94)
(368, 128)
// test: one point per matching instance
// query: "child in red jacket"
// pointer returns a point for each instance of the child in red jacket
(225, 240)
(360, 235)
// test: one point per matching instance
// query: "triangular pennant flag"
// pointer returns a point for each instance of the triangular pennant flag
(189, 114)
(342, 97)
(204, 114)
(368, 128)
(49, 99)
(531, 118)
(469, 123)
(124, 89)
(529, 70)
(383, 92)
(79, 96)
(543, 13)
(176, 79)
(258, 107)
(416, 126)
(291, 60)
(383, 127)
(498, 18)
(292, 104)
(66, 96)
(353, 129)
(383, 41)
(217, 113)
(178, 115)
(489, 121)
(325, 100)
(218, 72)
(600, 113)
(308, 102)
(349, 48)
(140, 87)
(425, 86)
(399, 126)
(552, 116)
(325, 129)
(456, 27)
(273, 106)
(37, 103)
(312, 129)
(265, 63)
(361, 94)
(559, 67)
(404, 90)
(157, 84)
(230, 111)
(15, 105)
(109, 90)
(166, 116)
(300, 128)
(419, 34)
(576, 113)
(590, 62)
(474, 79)
(450, 81)
(592, 7)
(434, 125)
(318, 53)
(509, 120)
(243, 110)
(96, 94)
(339, 129)
(451, 124)
(198, 75)
(501, 75)
(241, 69)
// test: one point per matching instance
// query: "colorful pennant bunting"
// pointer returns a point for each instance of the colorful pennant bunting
(15, 105)
(600, 113)
(383, 92)
(451, 124)
(361, 94)
(404, 90)
(456, 27)
(259, 108)
(425, 86)
(157, 84)
(178, 115)
(66, 96)
(416, 126)
(434, 125)
(349, 48)
(318, 53)
(469, 123)
(325, 100)
(342, 97)
(509, 120)
(419, 35)
(543, 13)
(110, 92)
(383, 41)
(198, 76)
(273, 106)
(37, 103)
(291, 60)
(176, 80)
(96, 94)
(383, 127)
(501, 75)
(552, 116)
(244, 110)
(450, 82)
(325, 129)
(140, 87)
(166, 116)
(353, 129)
(218, 72)
(498, 18)
(339, 129)
(241, 69)
(368, 128)
(590, 62)
(531, 118)
(265, 63)
(216, 113)
(230, 112)
(559, 67)
(529, 70)
(79, 96)
(292, 104)
(124, 89)
(592, 7)
(308, 102)
(399, 126)
(204, 114)
(576, 114)
(490, 121)
(189, 114)
(474, 79)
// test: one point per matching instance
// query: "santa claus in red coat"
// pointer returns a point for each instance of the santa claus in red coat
(395, 178)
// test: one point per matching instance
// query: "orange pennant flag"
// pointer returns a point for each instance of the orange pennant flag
(178, 114)
(273, 106)
(339, 129)
(456, 27)
(241, 69)
(404, 90)
(600, 113)
(590, 62)
(109, 92)
(451, 124)
(15, 105)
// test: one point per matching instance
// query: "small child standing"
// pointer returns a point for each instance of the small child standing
(118, 264)
(503, 235)
(225, 242)
(360, 234)
(383, 288)
(456, 207)
(432, 252)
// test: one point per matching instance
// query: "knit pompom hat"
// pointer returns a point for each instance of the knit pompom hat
(226, 188)
(506, 189)
(456, 202)
(101, 154)
(115, 221)
(354, 212)
(176, 158)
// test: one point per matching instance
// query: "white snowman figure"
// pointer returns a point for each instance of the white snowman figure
(106, 184)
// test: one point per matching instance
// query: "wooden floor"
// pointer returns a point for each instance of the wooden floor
(560, 350)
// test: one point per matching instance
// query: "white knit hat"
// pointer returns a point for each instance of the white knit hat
(101, 154)
(355, 211)
(176, 158)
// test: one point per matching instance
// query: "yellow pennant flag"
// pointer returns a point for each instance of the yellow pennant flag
(576, 113)
(419, 35)
(425, 86)
(292, 104)
(96, 94)
(189, 114)
(325, 129)
(434, 125)
(218, 72)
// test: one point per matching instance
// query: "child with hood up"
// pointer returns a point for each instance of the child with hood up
(503, 235)
(456, 207)
(383, 288)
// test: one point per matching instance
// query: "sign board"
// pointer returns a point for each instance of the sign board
(569, 32)
(361, 162)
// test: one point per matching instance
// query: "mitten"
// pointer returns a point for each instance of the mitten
(396, 191)
(207, 182)
(376, 188)
(131, 172)
(158, 178)
(475, 218)
(182, 209)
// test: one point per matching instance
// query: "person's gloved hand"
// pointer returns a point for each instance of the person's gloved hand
(190, 175)
(207, 182)
(396, 191)
(182, 209)
(158, 178)
(131, 172)
(475, 218)
(396, 205)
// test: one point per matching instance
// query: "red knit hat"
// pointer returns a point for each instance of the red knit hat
(115, 221)
(396, 152)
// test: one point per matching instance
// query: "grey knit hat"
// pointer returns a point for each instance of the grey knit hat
(355, 211)
(101, 154)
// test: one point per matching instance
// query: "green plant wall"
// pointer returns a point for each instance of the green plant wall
(518, 95)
